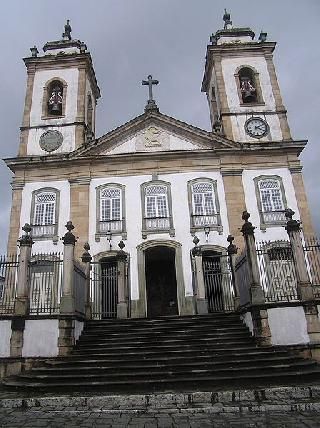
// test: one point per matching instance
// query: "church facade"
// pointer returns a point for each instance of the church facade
(156, 186)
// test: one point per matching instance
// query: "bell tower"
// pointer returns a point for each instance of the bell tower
(242, 88)
(61, 96)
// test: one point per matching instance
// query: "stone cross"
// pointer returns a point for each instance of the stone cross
(150, 82)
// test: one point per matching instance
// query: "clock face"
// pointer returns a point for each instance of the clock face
(51, 140)
(256, 127)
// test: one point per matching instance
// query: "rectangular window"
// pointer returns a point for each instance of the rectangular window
(110, 204)
(44, 212)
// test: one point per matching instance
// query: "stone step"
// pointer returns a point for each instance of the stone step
(99, 367)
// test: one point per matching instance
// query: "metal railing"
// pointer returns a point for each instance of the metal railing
(277, 271)
(157, 223)
(8, 283)
(46, 271)
(43, 230)
(242, 278)
(205, 220)
(79, 283)
(218, 283)
(274, 216)
(312, 257)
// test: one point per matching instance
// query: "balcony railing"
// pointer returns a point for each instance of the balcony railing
(157, 223)
(39, 231)
(274, 217)
(110, 226)
(204, 220)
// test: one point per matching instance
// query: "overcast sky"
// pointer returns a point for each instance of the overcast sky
(129, 39)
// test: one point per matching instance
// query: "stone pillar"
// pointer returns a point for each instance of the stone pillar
(304, 286)
(79, 209)
(235, 201)
(22, 301)
(86, 259)
(122, 306)
(232, 253)
(201, 301)
(17, 187)
(67, 304)
(259, 314)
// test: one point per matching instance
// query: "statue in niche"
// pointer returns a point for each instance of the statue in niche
(55, 101)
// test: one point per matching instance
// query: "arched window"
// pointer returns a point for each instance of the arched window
(44, 213)
(271, 200)
(110, 210)
(204, 205)
(156, 208)
(248, 86)
(54, 98)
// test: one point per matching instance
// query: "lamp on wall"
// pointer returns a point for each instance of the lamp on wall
(109, 238)
(207, 231)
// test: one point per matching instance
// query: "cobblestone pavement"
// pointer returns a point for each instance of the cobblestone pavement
(13, 418)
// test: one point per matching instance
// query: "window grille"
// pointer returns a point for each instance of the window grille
(271, 197)
(44, 212)
(110, 204)
(156, 201)
(203, 199)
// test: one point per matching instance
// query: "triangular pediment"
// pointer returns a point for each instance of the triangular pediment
(154, 132)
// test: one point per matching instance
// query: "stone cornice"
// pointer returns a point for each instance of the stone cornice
(295, 169)
(48, 62)
(80, 181)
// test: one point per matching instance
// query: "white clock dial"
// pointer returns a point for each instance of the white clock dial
(256, 127)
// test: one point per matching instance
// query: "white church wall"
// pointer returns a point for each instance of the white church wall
(68, 144)
(5, 336)
(288, 326)
(70, 76)
(181, 220)
(272, 233)
(45, 246)
(41, 338)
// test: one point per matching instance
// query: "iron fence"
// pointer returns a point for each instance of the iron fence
(218, 283)
(8, 283)
(104, 289)
(80, 284)
(242, 278)
(277, 271)
(312, 256)
(45, 283)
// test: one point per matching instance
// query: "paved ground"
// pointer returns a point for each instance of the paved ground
(13, 418)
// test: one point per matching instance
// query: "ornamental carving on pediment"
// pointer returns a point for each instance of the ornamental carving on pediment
(152, 138)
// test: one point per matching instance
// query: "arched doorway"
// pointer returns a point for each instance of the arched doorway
(161, 281)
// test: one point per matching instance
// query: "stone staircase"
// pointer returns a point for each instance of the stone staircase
(168, 354)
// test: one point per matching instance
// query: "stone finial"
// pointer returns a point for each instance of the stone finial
(83, 47)
(34, 51)
(232, 248)
(67, 31)
(69, 237)
(247, 227)
(86, 256)
(196, 251)
(227, 20)
(292, 225)
(26, 238)
(263, 36)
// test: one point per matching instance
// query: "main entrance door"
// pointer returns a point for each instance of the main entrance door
(161, 281)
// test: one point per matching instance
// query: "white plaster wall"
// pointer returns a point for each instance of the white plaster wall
(239, 133)
(78, 327)
(5, 336)
(181, 220)
(68, 144)
(271, 233)
(64, 212)
(70, 76)
(288, 326)
(247, 319)
(40, 338)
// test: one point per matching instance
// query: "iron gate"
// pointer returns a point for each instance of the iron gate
(218, 283)
(104, 289)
